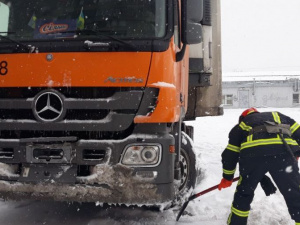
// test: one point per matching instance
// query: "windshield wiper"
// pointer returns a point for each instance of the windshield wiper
(89, 44)
(97, 33)
(29, 48)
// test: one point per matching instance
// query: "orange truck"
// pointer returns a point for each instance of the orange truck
(94, 95)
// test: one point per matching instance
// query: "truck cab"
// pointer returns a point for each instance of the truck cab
(93, 95)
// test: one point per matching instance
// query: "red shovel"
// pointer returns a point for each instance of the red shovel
(192, 197)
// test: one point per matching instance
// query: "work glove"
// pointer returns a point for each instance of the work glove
(267, 185)
(224, 184)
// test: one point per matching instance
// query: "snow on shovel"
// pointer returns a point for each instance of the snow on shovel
(192, 197)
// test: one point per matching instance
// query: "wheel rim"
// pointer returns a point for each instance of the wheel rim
(184, 169)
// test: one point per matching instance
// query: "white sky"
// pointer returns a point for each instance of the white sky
(260, 35)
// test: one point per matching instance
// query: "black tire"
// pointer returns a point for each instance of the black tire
(187, 165)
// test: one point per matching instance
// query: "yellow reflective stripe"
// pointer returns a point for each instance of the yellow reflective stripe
(297, 223)
(229, 172)
(233, 148)
(270, 141)
(240, 181)
(276, 117)
(245, 127)
(229, 219)
(239, 212)
(291, 141)
(250, 138)
(294, 127)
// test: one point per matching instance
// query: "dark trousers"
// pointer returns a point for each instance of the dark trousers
(284, 171)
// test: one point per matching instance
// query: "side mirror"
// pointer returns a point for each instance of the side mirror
(192, 14)
(4, 15)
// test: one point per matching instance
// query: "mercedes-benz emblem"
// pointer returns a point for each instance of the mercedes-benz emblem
(48, 106)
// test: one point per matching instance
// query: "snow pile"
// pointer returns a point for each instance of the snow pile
(266, 76)
(8, 170)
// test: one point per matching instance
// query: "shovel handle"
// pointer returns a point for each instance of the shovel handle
(209, 189)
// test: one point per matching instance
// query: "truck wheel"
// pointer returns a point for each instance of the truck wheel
(187, 165)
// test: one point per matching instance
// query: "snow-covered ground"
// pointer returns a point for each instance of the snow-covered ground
(211, 209)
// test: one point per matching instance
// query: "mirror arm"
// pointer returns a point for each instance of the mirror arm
(180, 55)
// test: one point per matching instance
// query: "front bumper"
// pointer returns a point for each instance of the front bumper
(107, 181)
(113, 184)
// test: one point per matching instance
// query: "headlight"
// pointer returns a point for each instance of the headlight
(141, 155)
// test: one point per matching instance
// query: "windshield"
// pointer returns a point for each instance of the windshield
(57, 19)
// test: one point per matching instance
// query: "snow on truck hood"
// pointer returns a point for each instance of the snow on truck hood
(93, 69)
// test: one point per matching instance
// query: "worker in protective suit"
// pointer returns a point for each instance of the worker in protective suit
(262, 142)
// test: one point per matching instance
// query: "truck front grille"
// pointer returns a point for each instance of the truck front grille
(87, 112)
(73, 114)
(6, 153)
(93, 154)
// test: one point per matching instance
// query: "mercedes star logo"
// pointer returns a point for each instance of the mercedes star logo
(48, 106)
